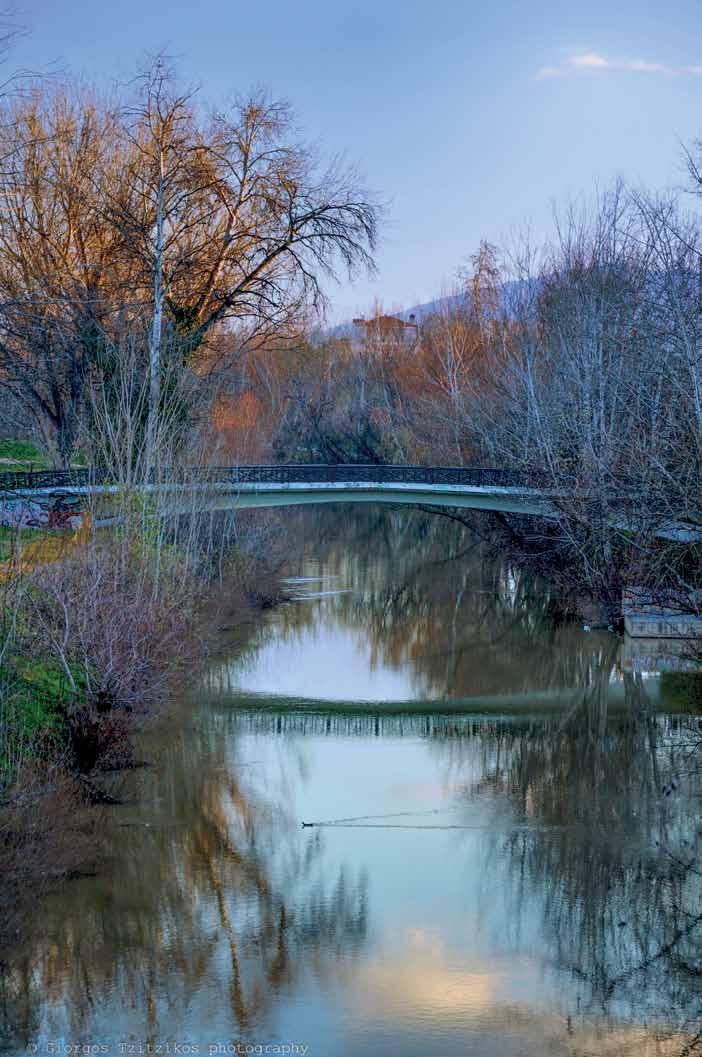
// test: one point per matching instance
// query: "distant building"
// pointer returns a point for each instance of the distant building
(389, 329)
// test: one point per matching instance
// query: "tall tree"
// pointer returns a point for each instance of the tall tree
(161, 200)
(59, 261)
(154, 216)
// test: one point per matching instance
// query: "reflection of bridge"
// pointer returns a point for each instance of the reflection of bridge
(221, 686)
(253, 714)
(293, 484)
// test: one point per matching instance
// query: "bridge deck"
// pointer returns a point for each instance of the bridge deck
(284, 473)
(292, 484)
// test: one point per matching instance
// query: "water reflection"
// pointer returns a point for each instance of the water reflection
(617, 862)
(190, 916)
(423, 611)
(510, 879)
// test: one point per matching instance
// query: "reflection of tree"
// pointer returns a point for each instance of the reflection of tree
(611, 852)
(607, 858)
(428, 594)
(207, 886)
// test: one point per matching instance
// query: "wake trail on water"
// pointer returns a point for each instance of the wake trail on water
(378, 822)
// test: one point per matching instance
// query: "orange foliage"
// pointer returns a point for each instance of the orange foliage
(237, 424)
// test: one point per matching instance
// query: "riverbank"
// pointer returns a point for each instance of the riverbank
(94, 649)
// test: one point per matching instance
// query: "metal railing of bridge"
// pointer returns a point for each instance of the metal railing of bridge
(286, 473)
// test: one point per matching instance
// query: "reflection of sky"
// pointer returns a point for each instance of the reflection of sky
(454, 962)
(465, 628)
(330, 663)
(440, 962)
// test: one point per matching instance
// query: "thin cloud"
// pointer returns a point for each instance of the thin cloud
(588, 61)
(594, 62)
(548, 71)
(644, 66)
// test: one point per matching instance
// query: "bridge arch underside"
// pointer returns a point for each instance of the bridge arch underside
(15, 503)
(502, 499)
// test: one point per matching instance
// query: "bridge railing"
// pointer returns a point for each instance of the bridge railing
(287, 473)
(30, 479)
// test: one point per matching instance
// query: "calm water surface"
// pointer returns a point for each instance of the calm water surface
(493, 862)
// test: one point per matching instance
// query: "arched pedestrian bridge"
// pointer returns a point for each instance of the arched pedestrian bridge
(294, 484)
(53, 495)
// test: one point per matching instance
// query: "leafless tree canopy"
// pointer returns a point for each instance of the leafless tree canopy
(153, 214)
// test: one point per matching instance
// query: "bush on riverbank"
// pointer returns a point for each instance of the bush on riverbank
(102, 635)
(92, 647)
(44, 833)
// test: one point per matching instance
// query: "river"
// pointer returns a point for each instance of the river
(412, 814)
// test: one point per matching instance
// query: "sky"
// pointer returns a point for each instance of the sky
(471, 120)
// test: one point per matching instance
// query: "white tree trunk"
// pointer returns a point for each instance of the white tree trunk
(156, 327)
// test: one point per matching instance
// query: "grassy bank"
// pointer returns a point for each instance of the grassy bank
(21, 455)
(24, 455)
(10, 538)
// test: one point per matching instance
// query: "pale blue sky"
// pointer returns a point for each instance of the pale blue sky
(470, 118)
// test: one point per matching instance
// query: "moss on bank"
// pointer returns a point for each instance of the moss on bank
(35, 697)
(682, 691)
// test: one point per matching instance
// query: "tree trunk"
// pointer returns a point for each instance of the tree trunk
(156, 329)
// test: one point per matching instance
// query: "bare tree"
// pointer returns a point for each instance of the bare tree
(153, 209)
(59, 261)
